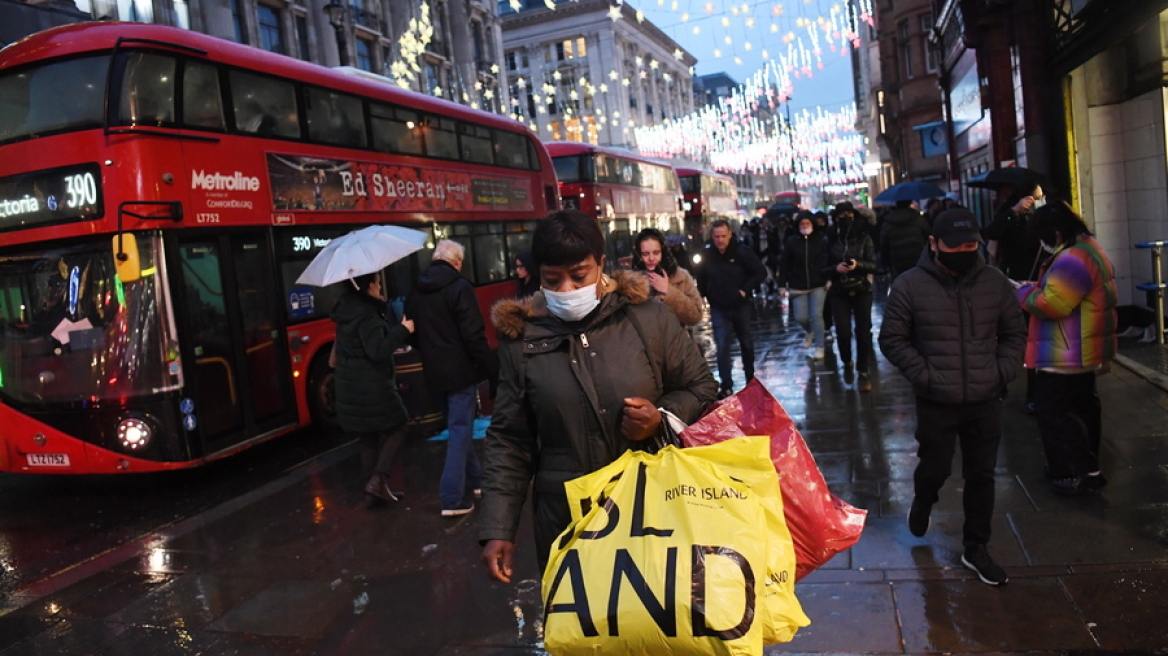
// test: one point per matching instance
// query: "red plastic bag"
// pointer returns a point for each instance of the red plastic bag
(821, 523)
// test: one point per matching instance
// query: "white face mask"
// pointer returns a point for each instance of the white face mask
(1049, 248)
(1041, 202)
(805, 230)
(573, 305)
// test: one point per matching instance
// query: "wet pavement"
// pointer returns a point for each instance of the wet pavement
(300, 566)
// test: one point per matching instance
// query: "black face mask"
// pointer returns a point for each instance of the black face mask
(958, 262)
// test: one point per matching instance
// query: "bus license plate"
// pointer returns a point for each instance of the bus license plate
(47, 459)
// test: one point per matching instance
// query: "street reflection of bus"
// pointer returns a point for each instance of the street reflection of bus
(708, 196)
(624, 191)
(160, 192)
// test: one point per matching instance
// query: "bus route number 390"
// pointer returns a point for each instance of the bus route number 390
(82, 190)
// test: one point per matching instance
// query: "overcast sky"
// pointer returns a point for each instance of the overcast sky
(830, 87)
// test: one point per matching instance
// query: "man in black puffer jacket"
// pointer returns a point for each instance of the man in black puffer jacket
(455, 359)
(953, 328)
(903, 237)
(729, 273)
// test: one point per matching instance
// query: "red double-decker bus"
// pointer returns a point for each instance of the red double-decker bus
(708, 196)
(624, 191)
(160, 192)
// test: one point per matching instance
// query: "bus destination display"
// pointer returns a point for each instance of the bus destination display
(69, 193)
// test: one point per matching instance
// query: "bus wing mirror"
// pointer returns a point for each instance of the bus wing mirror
(126, 261)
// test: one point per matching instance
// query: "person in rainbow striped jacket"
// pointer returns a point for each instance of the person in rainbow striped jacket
(1071, 338)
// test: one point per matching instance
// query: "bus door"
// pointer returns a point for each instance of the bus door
(235, 339)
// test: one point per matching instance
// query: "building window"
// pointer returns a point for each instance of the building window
(476, 31)
(561, 50)
(182, 14)
(271, 36)
(432, 79)
(523, 59)
(581, 50)
(364, 55)
(237, 22)
(512, 64)
(905, 51)
(927, 23)
(302, 37)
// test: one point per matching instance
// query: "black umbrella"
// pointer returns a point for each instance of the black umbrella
(911, 190)
(1022, 179)
(778, 209)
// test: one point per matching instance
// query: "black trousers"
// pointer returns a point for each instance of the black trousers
(379, 449)
(977, 427)
(844, 309)
(1070, 419)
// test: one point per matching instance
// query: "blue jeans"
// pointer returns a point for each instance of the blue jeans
(462, 463)
(808, 311)
(736, 321)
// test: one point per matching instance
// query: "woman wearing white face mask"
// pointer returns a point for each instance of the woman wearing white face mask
(585, 364)
(799, 273)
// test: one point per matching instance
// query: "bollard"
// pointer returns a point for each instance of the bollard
(1157, 286)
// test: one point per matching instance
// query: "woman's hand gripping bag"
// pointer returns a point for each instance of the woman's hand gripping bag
(663, 555)
(821, 524)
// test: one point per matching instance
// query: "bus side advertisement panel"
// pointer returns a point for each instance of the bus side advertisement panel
(313, 183)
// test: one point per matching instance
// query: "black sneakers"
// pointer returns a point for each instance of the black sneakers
(849, 373)
(977, 558)
(918, 517)
(1094, 481)
(865, 383)
(1068, 487)
(724, 392)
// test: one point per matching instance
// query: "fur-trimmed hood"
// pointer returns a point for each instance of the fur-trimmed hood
(511, 316)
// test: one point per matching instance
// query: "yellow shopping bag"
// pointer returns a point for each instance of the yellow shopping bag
(665, 555)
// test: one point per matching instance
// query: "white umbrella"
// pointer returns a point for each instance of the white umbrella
(363, 251)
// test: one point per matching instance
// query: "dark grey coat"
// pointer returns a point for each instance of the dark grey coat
(561, 396)
(366, 383)
(956, 340)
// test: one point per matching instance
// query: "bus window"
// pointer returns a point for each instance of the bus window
(63, 95)
(335, 118)
(518, 240)
(689, 184)
(295, 248)
(264, 106)
(476, 144)
(490, 257)
(567, 168)
(202, 102)
(395, 130)
(147, 93)
(510, 150)
(441, 141)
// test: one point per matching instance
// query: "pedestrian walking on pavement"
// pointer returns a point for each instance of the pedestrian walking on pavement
(668, 282)
(903, 237)
(1071, 339)
(953, 328)
(849, 261)
(455, 359)
(368, 405)
(727, 276)
(525, 271)
(800, 272)
(585, 365)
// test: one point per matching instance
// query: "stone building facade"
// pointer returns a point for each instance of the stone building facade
(590, 71)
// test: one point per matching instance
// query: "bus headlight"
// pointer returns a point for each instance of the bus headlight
(134, 433)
